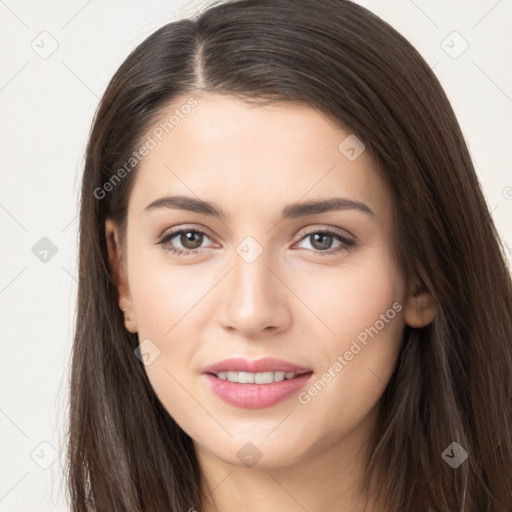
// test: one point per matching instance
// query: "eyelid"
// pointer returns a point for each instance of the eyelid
(175, 230)
(343, 233)
(347, 241)
(168, 234)
(203, 230)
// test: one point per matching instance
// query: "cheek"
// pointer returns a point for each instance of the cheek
(363, 305)
(166, 300)
(351, 298)
(164, 294)
(170, 302)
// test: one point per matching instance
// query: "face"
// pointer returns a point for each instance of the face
(244, 267)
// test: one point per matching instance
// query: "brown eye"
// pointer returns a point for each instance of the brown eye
(327, 242)
(321, 241)
(184, 241)
(191, 239)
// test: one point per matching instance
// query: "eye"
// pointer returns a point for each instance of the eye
(327, 242)
(191, 241)
(188, 241)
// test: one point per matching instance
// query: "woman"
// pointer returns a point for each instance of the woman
(292, 295)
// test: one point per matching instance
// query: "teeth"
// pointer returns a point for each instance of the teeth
(246, 378)
(255, 378)
(232, 376)
(279, 376)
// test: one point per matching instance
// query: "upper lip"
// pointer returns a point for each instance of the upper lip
(267, 364)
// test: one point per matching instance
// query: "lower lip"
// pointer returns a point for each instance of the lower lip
(255, 396)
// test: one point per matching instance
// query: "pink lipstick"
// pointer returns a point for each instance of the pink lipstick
(255, 384)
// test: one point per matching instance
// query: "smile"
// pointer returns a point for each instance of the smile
(256, 396)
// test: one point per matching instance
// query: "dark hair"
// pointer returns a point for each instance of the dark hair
(453, 378)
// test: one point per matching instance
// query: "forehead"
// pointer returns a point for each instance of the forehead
(252, 157)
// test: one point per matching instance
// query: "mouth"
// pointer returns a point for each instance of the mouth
(264, 365)
(256, 384)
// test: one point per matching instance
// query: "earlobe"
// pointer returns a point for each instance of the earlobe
(118, 273)
(421, 307)
(130, 321)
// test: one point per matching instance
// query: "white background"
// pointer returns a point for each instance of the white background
(47, 107)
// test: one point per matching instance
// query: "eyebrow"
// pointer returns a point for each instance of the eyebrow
(290, 211)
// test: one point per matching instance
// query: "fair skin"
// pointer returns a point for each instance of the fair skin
(291, 302)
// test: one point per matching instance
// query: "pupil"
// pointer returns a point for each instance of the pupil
(187, 239)
(325, 241)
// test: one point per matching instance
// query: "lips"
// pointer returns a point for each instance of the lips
(256, 384)
(266, 364)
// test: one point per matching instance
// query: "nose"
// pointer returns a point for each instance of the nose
(256, 300)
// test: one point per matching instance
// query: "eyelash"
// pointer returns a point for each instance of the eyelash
(347, 243)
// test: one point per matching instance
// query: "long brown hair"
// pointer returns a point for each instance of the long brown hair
(453, 379)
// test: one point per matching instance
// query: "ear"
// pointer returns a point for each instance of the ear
(117, 265)
(421, 306)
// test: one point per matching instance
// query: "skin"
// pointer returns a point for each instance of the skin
(291, 303)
